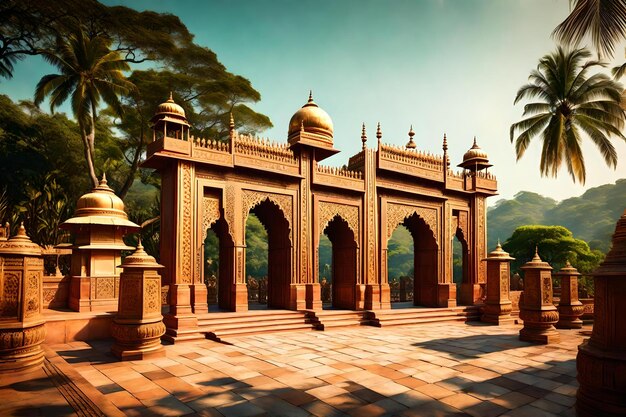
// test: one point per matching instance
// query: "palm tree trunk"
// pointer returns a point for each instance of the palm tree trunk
(89, 158)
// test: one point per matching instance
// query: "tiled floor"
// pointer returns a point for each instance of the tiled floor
(425, 370)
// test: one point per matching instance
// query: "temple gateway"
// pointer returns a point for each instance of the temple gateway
(214, 185)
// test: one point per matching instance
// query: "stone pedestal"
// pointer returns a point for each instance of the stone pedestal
(313, 296)
(497, 308)
(570, 308)
(22, 327)
(138, 325)
(99, 225)
(601, 360)
(536, 306)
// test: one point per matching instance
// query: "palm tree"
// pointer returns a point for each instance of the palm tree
(603, 20)
(90, 72)
(569, 102)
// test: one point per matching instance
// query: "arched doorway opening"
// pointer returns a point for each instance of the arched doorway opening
(400, 266)
(343, 264)
(256, 262)
(279, 253)
(460, 268)
(218, 267)
(425, 261)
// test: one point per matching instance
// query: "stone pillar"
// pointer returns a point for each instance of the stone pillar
(497, 308)
(536, 306)
(22, 328)
(570, 308)
(138, 325)
(601, 360)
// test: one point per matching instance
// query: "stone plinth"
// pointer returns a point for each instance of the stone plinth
(536, 306)
(22, 327)
(138, 325)
(601, 360)
(570, 308)
(99, 225)
(497, 308)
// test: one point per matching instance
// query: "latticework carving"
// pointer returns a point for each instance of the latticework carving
(327, 211)
(210, 213)
(397, 213)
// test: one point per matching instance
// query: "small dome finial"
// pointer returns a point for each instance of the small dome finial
(363, 136)
(411, 144)
(231, 123)
(498, 245)
(22, 230)
(475, 145)
(103, 181)
(445, 143)
(567, 264)
(310, 96)
(536, 258)
(379, 133)
(171, 98)
(139, 245)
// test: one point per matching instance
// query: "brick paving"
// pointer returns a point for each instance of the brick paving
(427, 370)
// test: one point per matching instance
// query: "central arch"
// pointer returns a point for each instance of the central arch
(343, 264)
(279, 261)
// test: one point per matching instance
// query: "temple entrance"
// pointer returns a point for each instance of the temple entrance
(274, 290)
(218, 267)
(400, 267)
(425, 261)
(460, 268)
(343, 264)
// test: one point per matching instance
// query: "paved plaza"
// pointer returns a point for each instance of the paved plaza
(426, 370)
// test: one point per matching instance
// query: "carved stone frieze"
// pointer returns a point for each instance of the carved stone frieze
(186, 222)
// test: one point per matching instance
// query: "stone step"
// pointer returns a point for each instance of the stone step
(407, 322)
(385, 318)
(209, 319)
(326, 319)
(211, 325)
(221, 334)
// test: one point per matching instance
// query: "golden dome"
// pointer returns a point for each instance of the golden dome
(20, 244)
(100, 206)
(312, 119)
(475, 158)
(140, 259)
(170, 108)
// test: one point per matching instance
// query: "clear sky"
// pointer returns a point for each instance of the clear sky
(450, 66)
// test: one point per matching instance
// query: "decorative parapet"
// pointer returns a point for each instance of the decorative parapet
(410, 157)
(263, 148)
(214, 145)
(338, 177)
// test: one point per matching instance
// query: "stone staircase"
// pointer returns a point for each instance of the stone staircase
(333, 319)
(420, 315)
(218, 326)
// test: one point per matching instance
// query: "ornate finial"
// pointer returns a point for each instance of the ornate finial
(231, 123)
(567, 264)
(139, 245)
(536, 258)
(103, 181)
(171, 97)
(475, 145)
(498, 245)
(310, 96)
(411, 144)
(379, 133)
(22, 230)
(363, 136)
(445, 143)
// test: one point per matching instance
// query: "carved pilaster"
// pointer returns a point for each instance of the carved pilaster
(497, 308)
(570, 308)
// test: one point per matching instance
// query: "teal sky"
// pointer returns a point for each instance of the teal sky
(450, 66)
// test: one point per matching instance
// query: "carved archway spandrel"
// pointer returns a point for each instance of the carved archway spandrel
(210, 213)
(396, 213)
(328, 211)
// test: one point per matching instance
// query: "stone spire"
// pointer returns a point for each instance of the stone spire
(411, 144)
(363, 137)
(379, 133)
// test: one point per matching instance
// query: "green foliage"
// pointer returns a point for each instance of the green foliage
(591, 217)
(555, 244)
(325, 258)
(400, 258)
(569, 103)
(256, 247)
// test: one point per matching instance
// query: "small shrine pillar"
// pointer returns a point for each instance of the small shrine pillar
(536, 305)
(497, 308)
(570, 308)
(22, 326)
(601, 360)
(99, 225)
(138, 325)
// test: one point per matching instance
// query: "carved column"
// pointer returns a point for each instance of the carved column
(601, 360)
(536, 306)
(22, 327)
(570, 308)
(497, 308)
(138, 326)
(375, 292)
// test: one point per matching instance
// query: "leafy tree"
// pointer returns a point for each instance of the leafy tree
(90, 72)
(400, 256)
(555, 245)
(256, 247)
(570, 103)
(603, 20)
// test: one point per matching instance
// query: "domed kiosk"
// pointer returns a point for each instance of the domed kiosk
(99, 225)
(312, 126)
(475, 159)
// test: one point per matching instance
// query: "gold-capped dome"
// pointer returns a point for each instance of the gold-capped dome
(140, 259)
(475, 158)
(499, 253)
(100, 206)
(312, 119)
(170, 108)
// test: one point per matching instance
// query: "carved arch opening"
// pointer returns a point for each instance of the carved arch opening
(344, 263)
(280, 251)
(425, 259)
(218, 266)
